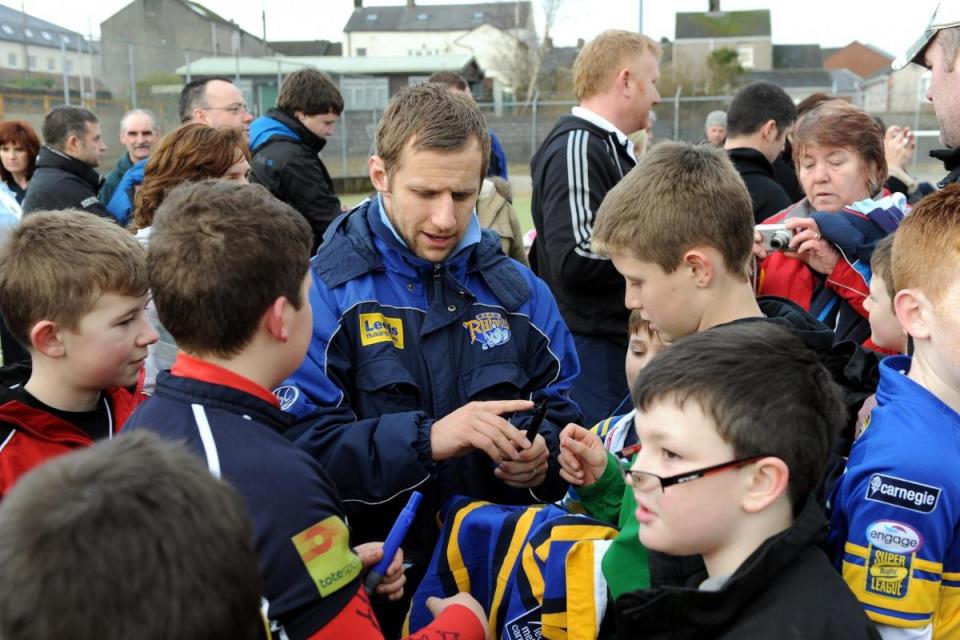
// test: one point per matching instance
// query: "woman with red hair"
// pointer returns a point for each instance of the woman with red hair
(19, 147)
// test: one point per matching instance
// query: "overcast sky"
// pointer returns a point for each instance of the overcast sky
(891, 25)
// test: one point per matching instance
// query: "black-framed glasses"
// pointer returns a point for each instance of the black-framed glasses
(644, 481)
(235, 109)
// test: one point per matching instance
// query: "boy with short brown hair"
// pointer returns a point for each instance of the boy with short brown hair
(727, 474)
(229, 272)
(72, 290)
(894, 523)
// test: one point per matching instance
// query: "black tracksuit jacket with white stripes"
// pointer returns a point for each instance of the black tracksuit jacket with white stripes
(572, 171)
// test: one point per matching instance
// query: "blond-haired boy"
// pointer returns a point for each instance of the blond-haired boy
(72, 290)
(895, 511)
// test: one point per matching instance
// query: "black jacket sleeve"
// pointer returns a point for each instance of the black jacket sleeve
(580, 169)
(297, 176)
(70, 192)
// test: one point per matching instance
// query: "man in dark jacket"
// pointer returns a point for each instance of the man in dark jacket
(938, 49)
(757, 123)
(428, 342)
(582, 158)
(138, 133)
(66, 175)
(286, 145)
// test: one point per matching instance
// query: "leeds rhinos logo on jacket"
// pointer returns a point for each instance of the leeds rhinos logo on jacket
(490, 329)
(905, 494)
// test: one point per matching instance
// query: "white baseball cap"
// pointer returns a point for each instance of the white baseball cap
(946, 15)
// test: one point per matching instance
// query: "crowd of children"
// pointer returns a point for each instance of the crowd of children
(760, 481)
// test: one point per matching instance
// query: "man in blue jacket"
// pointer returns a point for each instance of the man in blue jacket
(430, 346)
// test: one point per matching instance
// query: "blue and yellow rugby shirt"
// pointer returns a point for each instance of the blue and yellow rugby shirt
(895, 525)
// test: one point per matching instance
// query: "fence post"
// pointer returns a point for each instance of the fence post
(186, 57)
(916, 118)
(676, 114)
(133, 80)
(3, 107)
(80, 75)
(533, 117)
(63, 69)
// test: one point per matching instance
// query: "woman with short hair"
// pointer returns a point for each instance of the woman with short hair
(840, 162)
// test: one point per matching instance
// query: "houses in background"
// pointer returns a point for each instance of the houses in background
(498, 35)
(858, 72)
(36, 55)
(153, 37)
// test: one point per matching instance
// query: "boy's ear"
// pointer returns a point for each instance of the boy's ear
(45, 339)
(769, 481)
(378, 173)
(273, 320)
(701, 265)
(913, 309)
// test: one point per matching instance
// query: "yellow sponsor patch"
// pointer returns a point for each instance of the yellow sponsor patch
(325, 551)
(375, 327)
(888, 573)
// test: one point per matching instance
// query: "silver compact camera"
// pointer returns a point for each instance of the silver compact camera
(774, 237)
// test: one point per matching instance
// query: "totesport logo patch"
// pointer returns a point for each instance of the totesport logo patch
(376, 328)
(326, 553)
(894, 536)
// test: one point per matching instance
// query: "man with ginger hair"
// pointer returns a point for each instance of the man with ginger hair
(581, 159)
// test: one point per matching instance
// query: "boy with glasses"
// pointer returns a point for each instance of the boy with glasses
(736, 425)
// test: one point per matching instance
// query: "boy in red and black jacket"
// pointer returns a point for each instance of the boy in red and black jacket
(72, 290)
(229, 272)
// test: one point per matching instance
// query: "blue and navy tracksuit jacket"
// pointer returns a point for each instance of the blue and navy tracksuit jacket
(309, 570)
(399, 342)
(895, 522)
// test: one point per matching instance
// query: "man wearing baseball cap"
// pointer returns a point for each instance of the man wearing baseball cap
(938, 49)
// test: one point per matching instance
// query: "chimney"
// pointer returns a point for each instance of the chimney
(358, 4)
(714, 6)
(411, 4)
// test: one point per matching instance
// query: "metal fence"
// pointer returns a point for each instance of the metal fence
(521, 127)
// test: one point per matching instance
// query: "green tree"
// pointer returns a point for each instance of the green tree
(724, 66)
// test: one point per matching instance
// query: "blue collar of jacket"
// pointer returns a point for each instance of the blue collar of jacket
(278, 125)
(363, 241)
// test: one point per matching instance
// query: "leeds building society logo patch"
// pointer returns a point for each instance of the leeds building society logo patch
(376, 327)
(905, 494)
(490, 329)
(325, 550)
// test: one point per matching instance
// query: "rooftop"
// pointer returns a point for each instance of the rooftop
(797, 56)
(723, 24)
(446, 17)
(16, 26)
